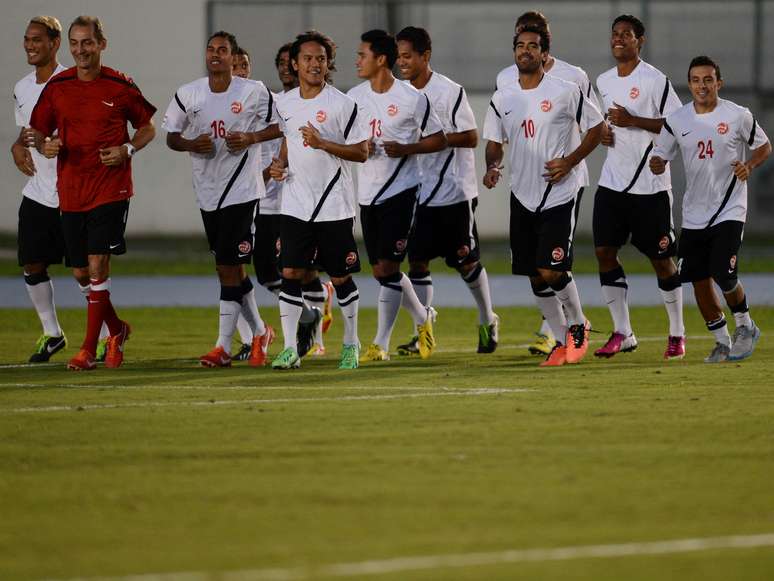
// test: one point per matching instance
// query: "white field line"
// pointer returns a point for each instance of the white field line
(228, 402)
(432, 562)
(210, 387)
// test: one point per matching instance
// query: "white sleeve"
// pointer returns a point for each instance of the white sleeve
(17, 111)
(666, 144)
(585, 112)
(426, 118)
(751, 132)
(267, 106)
(462, 117)
(176, 117)
(494, 130)
(667, 101)
(589, 92)
(353, 124)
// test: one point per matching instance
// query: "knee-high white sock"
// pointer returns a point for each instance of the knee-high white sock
(290, 307)
(411, 302)
(230, 307)
(615, 289)
(244, 329)
(478, 283)
(390, 296)
(41, 291)
(348, 298)
(553, 314)
(672, 293)
(567, 293)
(423, 287)
(250, 312)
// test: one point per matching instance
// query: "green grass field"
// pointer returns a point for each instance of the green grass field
(163, 467)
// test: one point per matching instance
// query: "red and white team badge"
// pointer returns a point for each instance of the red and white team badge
(245, 247)
(546, 106)
(663, 244)
(321, 116)
(392, 110)
(558, 254)
(236, 107)
(463, 251)
(351, 258)
(400, 245)
(732, 263)
(722, 128)
(634, 93)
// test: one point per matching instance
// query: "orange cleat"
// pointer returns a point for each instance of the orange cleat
(115, 346)
(577, 341)
(328, 308)
(557, 357)
(260, 348)
(216, 358)
(84, 361)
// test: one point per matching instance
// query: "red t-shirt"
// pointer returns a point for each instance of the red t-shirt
(89, 116)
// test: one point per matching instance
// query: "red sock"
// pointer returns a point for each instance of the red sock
(100, 310)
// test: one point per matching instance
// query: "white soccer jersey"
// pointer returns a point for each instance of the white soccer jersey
(567, 72)
(42, 186)
(538, 125)
(448, 176)
(400, 114)
(270, 203)
(225, 178)
(319, 185)
(645, 92)
(709, 144)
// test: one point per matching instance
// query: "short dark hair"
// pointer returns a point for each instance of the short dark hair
(94, 22)
(418, 37)
(242, 52)
(545, 39)
(704, 61)
(382, 44)
(637, 25)
(284, 48)
(229, 37)
(323, 40)
(532, 17)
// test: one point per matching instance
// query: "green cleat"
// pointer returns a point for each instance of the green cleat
(102, 345)
(488, 336)
(287, 359)
(46, 347)
(349, 357)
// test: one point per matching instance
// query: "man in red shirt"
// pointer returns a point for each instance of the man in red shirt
(81, 119)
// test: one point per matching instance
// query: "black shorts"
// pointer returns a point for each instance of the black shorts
(329, 245)
(266, 254)
(96, 231)
(387, 226)
(447, 231)
(647, 218)
(542, 239)
(40, 236)
(710, 252)
(231, 233)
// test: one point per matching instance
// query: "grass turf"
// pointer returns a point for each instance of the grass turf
(202, 470)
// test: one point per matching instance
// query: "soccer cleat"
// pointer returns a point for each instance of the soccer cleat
(374, 353)
(102, 345)
(719, 354)
(84, 361)
(557, 357)
(115, 346)
(542, 345)
(617, 343)
(744, 341)
(675, 348)
(350, 356)
(327, 319)
(410, 348)
(216, 358)
(259, 351)
(287, 359)
(46, 347)
(425, 338)
(244, 352)
(488, 335)
(306, 332)
(317, 350)
(577, 341)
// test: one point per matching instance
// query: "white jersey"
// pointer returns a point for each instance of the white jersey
(225, 178)
(538, 124)
(41, 187)
(449, 175)
(567, 72)
(709, 144)
(270, 203)
(645, 92)
(319, 185)
(400, 114)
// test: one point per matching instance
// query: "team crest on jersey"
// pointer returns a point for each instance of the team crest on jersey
(236, 107)
(634, 93)
(351, 258)
(558, 254)
(722, 128)
(245, 247)
(663, 244)
(732, 262)
(321, 116)
(392, 110)
(546, 106)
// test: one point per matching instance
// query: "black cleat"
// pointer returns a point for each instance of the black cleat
(46, 347)
(305, 333)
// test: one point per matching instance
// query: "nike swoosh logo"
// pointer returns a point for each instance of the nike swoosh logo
(730, 271)
(20, 105)
(109, 104)
(240, 255)
(684, 134)
(53, 348)
(286, 119)
(114, 246)
(508, 112)
(555, 263)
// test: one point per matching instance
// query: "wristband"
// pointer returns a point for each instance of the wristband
(130, 149)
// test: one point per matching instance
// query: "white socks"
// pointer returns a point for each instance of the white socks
(41, 291)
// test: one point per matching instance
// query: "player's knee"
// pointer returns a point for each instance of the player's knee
(36, 268)
(540, 287)
(391, 280)
(466, 269)
(267, 276)
(293, 273)
(552, 277)
(669, 282)
(664, 267)
(33, 278)
(727, 282)
(385, 268)
(419, 269)
(607, 257)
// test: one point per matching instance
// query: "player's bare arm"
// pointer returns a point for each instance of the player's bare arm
(463, 139)
(494, 159)
(620, 117)
(117, 155)
(357, 152)
(278, 168)
(22, 156)
(608, 137)
(429, 144)
(237, 141)
(202, 144)
(742, 170)
(557, 169)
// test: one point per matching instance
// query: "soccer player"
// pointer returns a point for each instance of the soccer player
(40, 230)
(713, 136)
(224, 119)
(630, 201)
(558, 68)
(445, 222)
(81, 118)
(402, 125)
(324, 131)
(537, 117)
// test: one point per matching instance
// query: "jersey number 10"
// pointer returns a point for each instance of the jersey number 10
(529, 127)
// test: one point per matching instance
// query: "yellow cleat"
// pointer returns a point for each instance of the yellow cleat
(543, 345)
(374, 353)
(425, 338)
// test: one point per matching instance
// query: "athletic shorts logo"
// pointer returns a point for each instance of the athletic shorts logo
(546, 106)
(321, 116)
(722, 128)
(245, 247)
(732, 263)
(351, 258)
(663, 244)
(558, 254)
(236, 107)
(400, 245)
(392, 110)
(634, 93)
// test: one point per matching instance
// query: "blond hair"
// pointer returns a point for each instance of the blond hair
(94, 22)
(51, 24)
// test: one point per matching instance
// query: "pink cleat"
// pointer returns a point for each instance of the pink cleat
(675, 348)
(617, 343)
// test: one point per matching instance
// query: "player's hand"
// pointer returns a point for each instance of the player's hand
(395, 149)
(657, 165)
(31, 137)
(608, 137)
(371, 147)
(278, 170)
(492, 176)
(741, 170)
(237, 141)
(202, 144)
(619, 116)
(51, 147)
(23, 159)
(113, 156)
(557, 169)
(311, 135)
